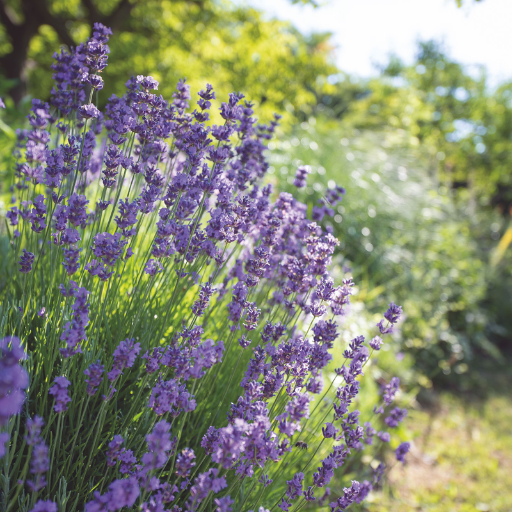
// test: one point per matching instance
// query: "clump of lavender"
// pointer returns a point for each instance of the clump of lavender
(150, 224)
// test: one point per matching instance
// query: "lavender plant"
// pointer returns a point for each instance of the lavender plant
(167, 322)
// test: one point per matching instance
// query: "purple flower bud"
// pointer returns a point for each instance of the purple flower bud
(364, 490)
(159, 446)
(45, 506)
(127, 216)
(384, 436)
(26, 261)
(375, 343)
(329, 430)
(390, 390)
(13, 378)
(89, 111)
(244, 341)
(200, 305)
(74, 331)
(60, 392)
(349, 496)
(39, 465)
(223, 504)
(301, 176)
(147, 82)
(123, 493)
(284, 505)
(153, 267)
(95, 377)
(395, 417)
(401, 452)
(295, 486)
(124, 357)
(309, 494)
(114, 447)
(185, 462)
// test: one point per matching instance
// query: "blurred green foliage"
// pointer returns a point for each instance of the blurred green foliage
(232, 47)
(464, 126)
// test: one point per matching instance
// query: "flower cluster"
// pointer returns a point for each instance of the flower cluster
(40, 462)
(60, 392)
(181, 253)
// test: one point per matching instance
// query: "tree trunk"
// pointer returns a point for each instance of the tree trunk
(13, 64)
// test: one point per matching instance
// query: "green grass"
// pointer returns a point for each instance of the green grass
(461, 459)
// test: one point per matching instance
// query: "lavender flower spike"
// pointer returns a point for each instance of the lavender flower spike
(45, 506)
(13, 378)
(60, 392)
(89, 111)
(26, 261)
(401, 451)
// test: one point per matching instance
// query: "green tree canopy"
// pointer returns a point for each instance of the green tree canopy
(232, 47)
(446, 109)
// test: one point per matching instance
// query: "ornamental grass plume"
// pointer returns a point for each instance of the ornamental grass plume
(187, 316)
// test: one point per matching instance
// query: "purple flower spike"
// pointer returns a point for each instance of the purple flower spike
(114, 447)
(309, 494)
(329, 430)
(284, 505)
(364, 490)
(392, 315)
(206, 482)
(123, 493)
(384, 436)
(395, 417)
(159, 447)
(39, 465)
(223, 504)
(13, 378)
(74, 331)
(60, 392)
(124, 357)
(185, 462)
(349, 496)
(375, 343)
(95, 376)
(295, 486)
(26, 261)
(45, 506)
(89, 111)
(401, 452)
(153, 267)
(301, 176)
(390, 390)
(199, 307)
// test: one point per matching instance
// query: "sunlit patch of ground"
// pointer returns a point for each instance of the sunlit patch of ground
(461, 460)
